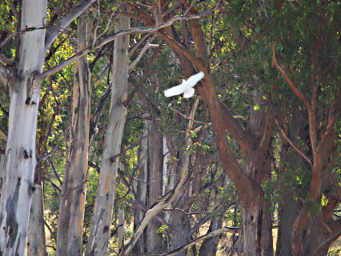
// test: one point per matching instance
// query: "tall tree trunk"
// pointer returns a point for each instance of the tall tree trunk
(2, 172)
(154, 242)
(36, 245)
(180, 230)
(101, 221)
(288, 207)
(256, 225)
(256, 213)
(179, 222)
(20, 150)
(141, 190)
(72, 203)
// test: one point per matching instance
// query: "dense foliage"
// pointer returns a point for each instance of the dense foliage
(275, 69)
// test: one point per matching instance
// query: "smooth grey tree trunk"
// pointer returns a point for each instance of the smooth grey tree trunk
(18, 186)
(101, 221)
(72, 203)
(36, 244)
(2, 172)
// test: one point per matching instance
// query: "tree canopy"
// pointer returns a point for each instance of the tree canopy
(95, 160)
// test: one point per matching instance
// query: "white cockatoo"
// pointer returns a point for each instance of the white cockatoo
(186, 87)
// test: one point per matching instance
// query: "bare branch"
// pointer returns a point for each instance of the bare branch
(147, 46)
(288, 80)
(47, 154)
(209, 235)
(4, 74)
(53, 32)
(7, 39)
(59, 67)
(111, 38)
(152, 29)
(3, 135)
(132, 51)
(331, 121)
(186, 117)
(4, 59)
(113, 14)
(293, 145)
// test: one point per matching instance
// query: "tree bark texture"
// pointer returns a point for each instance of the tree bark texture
(72, 203)
(167, 201)
(141, 189)
(154, 241)
(2, 172)
(101, 221)
(36, 233)
(20, 160)
(179, 222)
(36, 244)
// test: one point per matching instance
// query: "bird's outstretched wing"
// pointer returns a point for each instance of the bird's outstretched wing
(186, 87)
(176, 90)
(193, 80)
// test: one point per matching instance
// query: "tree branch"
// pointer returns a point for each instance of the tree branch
(147, 46)
(7, 39)
(292, 144)
(203, 237)
(332, 114)
(4, 74)
(288, 80)
(168, 200)
(111, 38)
(53, 32)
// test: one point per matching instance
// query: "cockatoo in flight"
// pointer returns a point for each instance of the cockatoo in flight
(186, 87)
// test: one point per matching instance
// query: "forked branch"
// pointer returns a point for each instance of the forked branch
(292, 144)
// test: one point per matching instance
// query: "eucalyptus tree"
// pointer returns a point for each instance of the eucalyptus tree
(306, 62)
(34, 39)
(72, 202)
(250, 46)
(254, 141)
(102, 217)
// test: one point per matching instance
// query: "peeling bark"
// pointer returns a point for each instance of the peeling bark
(16, 196)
